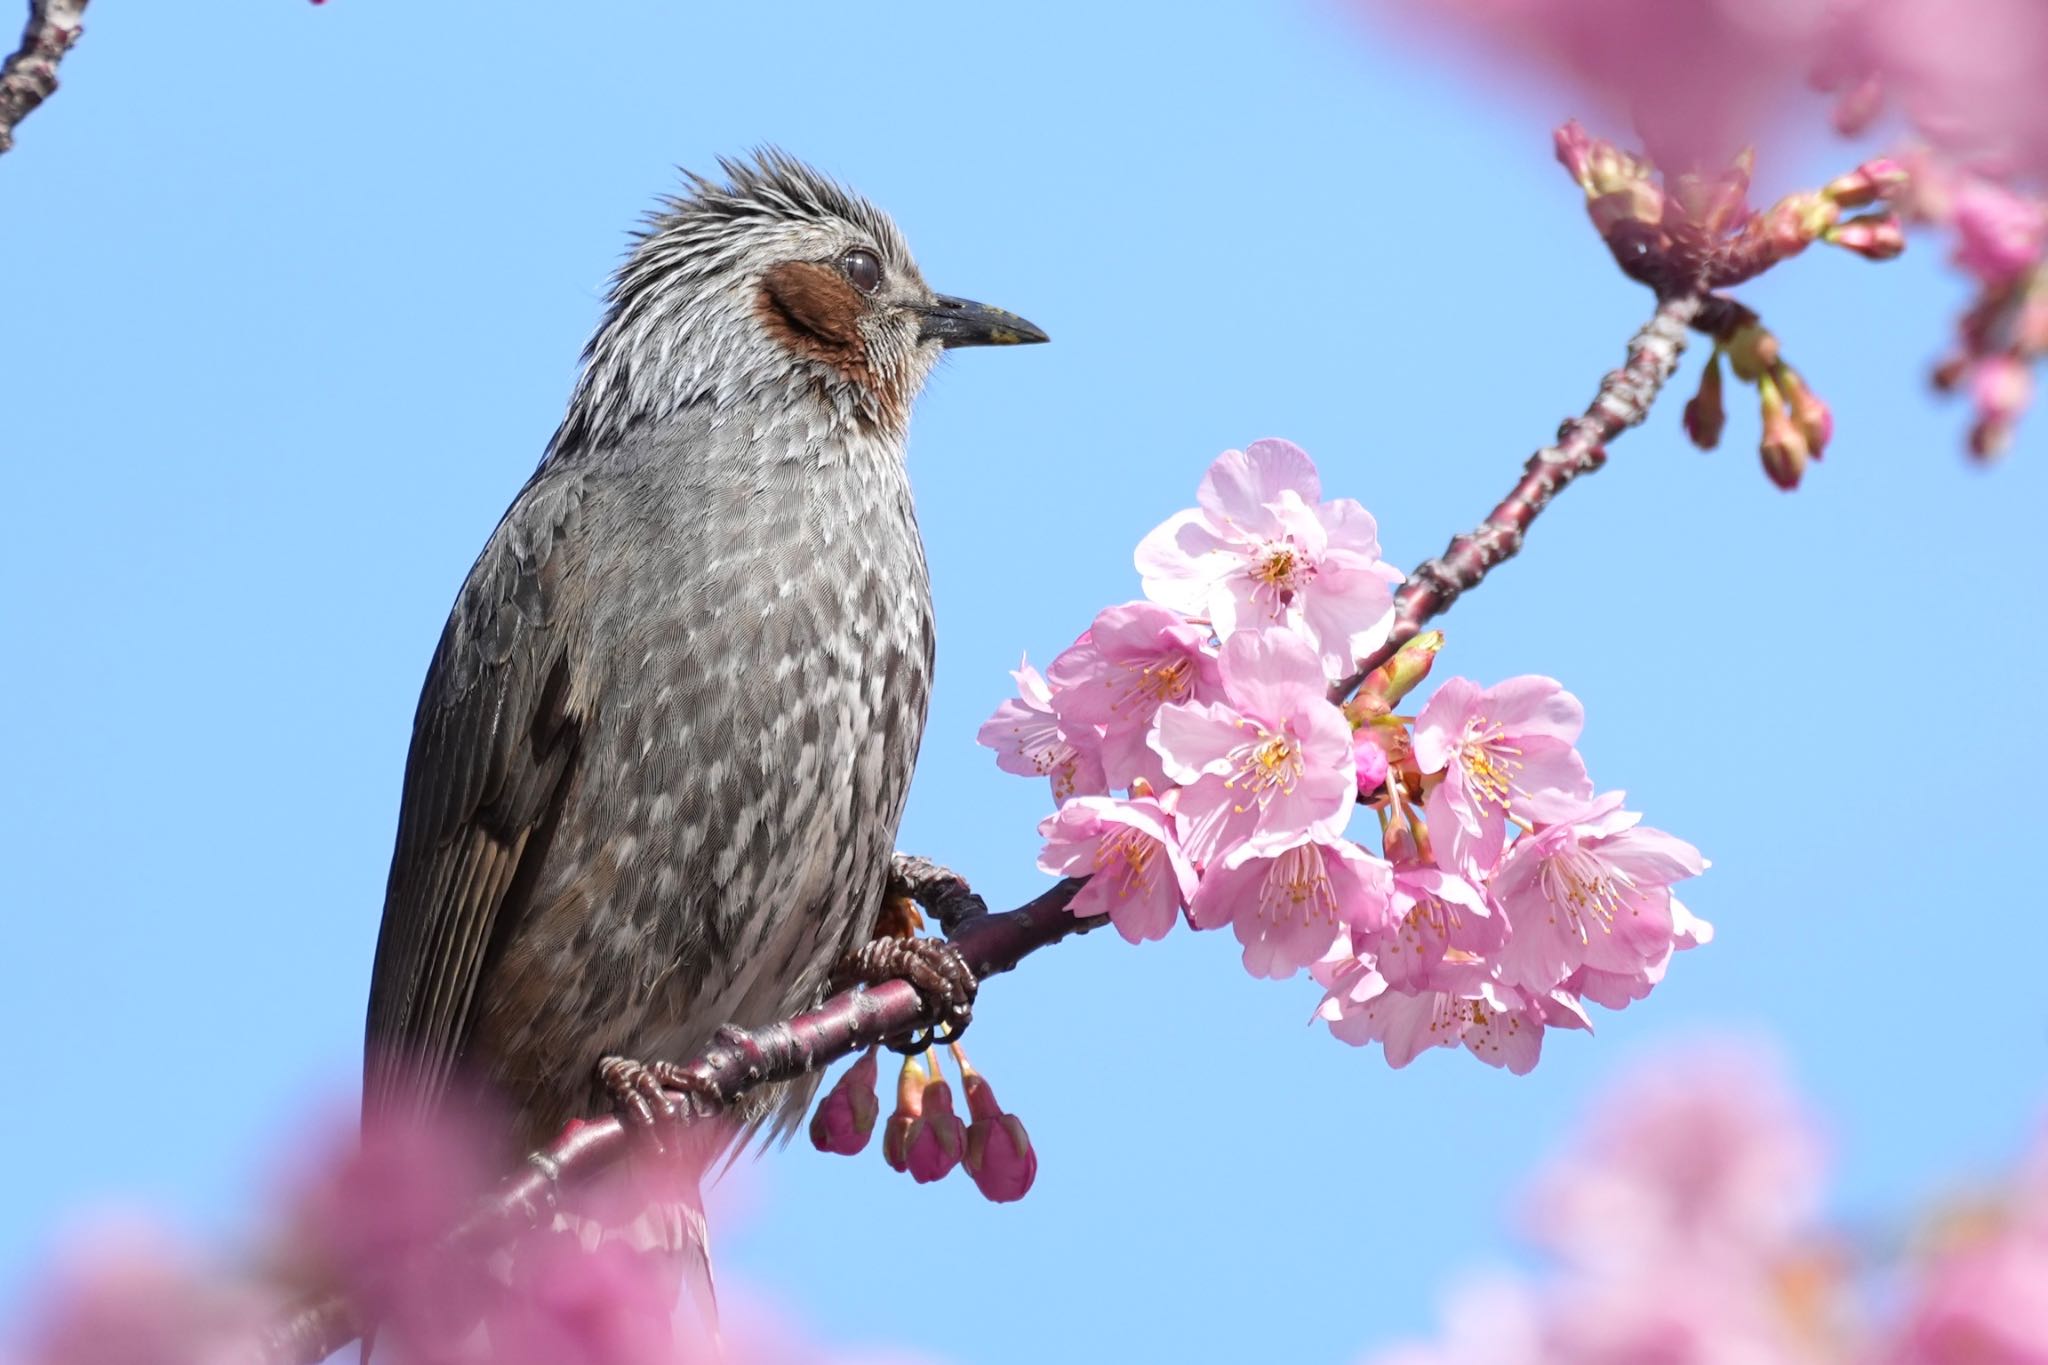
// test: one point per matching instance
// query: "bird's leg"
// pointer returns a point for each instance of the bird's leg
(640, 1092)
(933, 966)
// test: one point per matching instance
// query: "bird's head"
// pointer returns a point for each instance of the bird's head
(777, 286)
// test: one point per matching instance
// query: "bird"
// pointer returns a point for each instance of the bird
(665, 740)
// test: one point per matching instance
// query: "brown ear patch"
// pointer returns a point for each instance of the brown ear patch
(814, 310)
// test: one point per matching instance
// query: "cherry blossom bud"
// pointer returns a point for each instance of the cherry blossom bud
(1874, 236)
(846, 1116)
(1949, 374)
(1784, 448)
(1369, 759)
(1386, 685)
(1815, 422)
(1857, 107)
(999, 1154)
(1879, 178)
(1752, 350)
(938, 1139)
(2001, 387)
(1704, 414)
(1719, 203)
(1575, 151)
(923, 1135)
(1796, 222)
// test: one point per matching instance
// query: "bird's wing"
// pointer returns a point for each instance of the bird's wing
(493, 750)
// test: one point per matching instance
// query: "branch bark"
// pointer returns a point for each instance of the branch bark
(1623, 400)
(739, 1061)
(30, 76)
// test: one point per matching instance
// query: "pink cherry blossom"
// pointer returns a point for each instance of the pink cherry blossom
(1592, 890)
(1618, 989)
(1137, 874)
(1267, 767)
(1289, 907)
(1029, 740)
(1263, 549)
(1134, 659)
(1502, 749)
(1434, 913)
(1501, 1027)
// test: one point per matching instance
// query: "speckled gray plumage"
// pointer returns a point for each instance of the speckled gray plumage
(665, 741)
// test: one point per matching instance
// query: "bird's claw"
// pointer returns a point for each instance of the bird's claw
(641, 1093)
(934, 967)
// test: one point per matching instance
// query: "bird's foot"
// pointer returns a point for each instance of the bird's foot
(644, 1094)
(934, 967)
(940, 890)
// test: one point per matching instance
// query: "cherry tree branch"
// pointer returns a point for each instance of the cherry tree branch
(30, 76)
(737, 1062)
(1623, 401)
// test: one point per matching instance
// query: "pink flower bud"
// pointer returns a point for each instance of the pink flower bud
(1386, 685)
(1999, 234)
(999, 1156)
(1812, 416)
(846, 1116)
(1857, 107)
(1574, 151)
(1752, 350)
(910, 1084)
(1704, 414)
(923, 1135)
(1876, 179)
(1369, 759)
(1783, 448)
(1874, 236)
(2001, 387)
(1796, 222)
(935, 1141)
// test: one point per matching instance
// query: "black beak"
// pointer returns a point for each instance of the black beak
(962, 322)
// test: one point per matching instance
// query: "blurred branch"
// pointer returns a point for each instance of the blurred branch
(30, 75)
(740, 1060)
(1622, 401)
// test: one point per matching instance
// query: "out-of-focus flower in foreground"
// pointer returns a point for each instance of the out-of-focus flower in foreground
(1683, 1225)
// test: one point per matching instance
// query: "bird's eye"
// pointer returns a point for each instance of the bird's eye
(863, 269)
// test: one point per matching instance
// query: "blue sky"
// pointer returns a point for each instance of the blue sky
(297, 295)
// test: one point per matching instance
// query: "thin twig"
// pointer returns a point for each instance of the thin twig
(1623, 401)
(30, 76)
